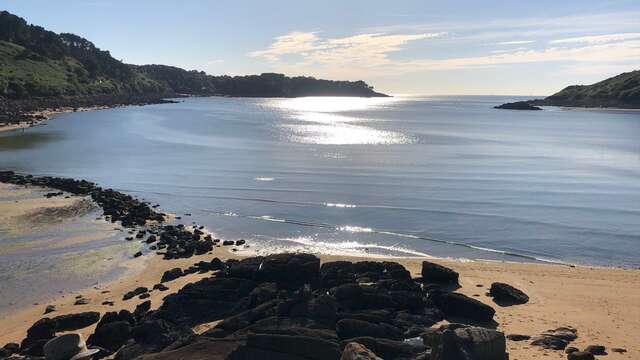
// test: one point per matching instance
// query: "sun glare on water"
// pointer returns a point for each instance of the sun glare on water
(327, 121)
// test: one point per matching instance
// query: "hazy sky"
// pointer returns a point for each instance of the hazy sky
(401, 46)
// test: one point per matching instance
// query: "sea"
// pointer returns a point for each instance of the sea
(429, 176)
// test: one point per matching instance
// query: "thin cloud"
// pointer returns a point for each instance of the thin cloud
(364, 49)
(516, 42)
(597, 39)
(600, 53)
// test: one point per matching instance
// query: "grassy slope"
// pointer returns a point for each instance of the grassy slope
(46, 77)
(619, 91)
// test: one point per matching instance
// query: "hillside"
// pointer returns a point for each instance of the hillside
(39, 68)
(622, 91)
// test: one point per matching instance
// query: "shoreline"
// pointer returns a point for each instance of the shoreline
(581, 297)
(40, 117)
(601, 302)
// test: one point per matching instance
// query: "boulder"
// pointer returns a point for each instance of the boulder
(355, 351)
(580, 355)
(76, 321)
(336, 273)
(37, 335)
(435, 273)
(459, 305)
(156, 334)
(207, 300)
(111, 335)
(505, 294)
(290, 271)
(518, 337)
(170, 275)
(351, 328)
(200, 348)
(271, 346)
(596, 349)
(386, 349)
(135, 292)
(461, 342)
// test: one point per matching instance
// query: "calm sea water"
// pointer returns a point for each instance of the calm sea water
(440, 176)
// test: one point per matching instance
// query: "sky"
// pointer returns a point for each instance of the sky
(471, 47)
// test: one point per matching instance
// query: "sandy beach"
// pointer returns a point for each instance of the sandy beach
(602, 303)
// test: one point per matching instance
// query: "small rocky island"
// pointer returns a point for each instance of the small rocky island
(518, 105)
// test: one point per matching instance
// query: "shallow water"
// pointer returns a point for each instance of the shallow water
(439, 176)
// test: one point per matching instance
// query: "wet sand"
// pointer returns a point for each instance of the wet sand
(602, 303)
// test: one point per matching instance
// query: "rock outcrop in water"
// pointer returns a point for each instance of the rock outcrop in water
(518, 105)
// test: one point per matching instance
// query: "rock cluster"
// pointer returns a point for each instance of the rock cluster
(288, 306)
(116, 205)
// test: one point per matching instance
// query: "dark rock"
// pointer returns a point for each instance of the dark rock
(216, 264)
(10, 349)
(49, 309)
(290, 270)
(160, 287)
(619, 350)
(351, 328)
(434, 273)
(596, 349)
(518, 105)
(355, 351)
(144, 296)
(207, 300)
(556, 339)
(580, 355)
(156, 334)
(336, 273)
(460, 342)
(111, 335)
(240, 242)
(81, 301)
(200, 348)
(459, 305)
(34, 348)
(76, 321)
(138, 254)
(518, 337)
(571, 349)
(133, 293)
(228, 243)
(271, 346)
(505, 294)
(385, 348)
(141, 310)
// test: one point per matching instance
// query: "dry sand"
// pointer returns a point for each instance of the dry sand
(602, 303)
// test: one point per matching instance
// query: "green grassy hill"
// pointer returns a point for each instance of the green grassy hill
(621, 91)
(39, 68)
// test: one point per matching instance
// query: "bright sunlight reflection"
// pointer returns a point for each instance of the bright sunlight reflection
(326, 121)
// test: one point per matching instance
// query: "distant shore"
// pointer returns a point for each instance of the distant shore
(602, 303)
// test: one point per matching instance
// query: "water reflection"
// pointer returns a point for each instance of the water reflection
(332, 122)
(25, 140)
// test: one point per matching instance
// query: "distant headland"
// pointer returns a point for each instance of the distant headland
(40, 69)
(621, 91)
